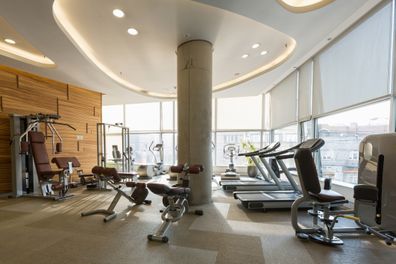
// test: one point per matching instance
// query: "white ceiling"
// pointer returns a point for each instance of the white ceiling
(35, 22)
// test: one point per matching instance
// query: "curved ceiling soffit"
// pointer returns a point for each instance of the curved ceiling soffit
(18, 48)
(87, 50)
(302, 6)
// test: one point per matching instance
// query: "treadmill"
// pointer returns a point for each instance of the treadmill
(278, 199)
(271, 183)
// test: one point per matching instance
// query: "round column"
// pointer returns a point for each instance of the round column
(194, 109)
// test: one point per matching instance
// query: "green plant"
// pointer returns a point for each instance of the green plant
(248, 147)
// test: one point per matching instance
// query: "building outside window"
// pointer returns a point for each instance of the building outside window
(343, 133)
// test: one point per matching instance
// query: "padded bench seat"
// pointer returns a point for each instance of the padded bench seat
(327, 196)
(165, 190)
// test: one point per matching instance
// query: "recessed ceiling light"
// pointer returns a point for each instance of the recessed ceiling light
(118, 13)
(10, 41)
(255, 45)
(244, 56)
(133, 31)
(263, 52)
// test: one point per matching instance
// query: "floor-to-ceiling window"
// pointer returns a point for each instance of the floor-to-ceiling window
(343, 132)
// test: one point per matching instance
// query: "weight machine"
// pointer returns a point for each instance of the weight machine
(122, 158)
(25, 180)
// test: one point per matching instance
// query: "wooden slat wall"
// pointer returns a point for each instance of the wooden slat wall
(24, 93)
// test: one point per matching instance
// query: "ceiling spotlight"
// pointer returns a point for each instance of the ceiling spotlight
(133, 31)
(263, 52)
(255, 45)
(10, 41)
(118, 13)
(244, 56)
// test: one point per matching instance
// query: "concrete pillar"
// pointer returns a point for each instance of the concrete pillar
(194, 109)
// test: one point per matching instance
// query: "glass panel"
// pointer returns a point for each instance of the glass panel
(223, 138)
(112, 114)
(266, 139)
(213, 114)
(307, 130)
(112, 140)
(287, 136)
(143, 116)
(167, 115)
(239, 112)
(169, 148)
(175, 116)
(343, 132)
(140, 144)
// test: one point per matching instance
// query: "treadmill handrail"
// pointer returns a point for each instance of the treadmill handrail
(312, 144)
(269, 148)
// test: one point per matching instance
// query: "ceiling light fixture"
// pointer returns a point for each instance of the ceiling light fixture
(133, 31)
(255, 45)
(263, 52)
(10, 41)
(118, 13)
(244, 56)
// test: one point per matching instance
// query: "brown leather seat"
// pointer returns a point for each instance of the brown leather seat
(135, 184)
(309, 179)
(165, 190)
(193, 169)
(63, 162)
(112, 172)
(98, 170)
(327, 196)
(40, 155)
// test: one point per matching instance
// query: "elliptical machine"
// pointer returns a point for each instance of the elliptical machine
(230, 151)
(159, 163)
(151, 170)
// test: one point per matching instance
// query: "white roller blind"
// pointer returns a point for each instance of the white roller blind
(305, 91)
(356, 68)
(239, 112)
(284, 102)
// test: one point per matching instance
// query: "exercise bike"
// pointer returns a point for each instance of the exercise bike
(230, 151)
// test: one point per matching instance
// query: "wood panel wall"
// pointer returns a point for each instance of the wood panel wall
(24, 93)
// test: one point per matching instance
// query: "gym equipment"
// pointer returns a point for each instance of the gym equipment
(374, 207)
(25, 178)
(121, 158)
(230, 151)
(266, 183)
(283, 198)
(138, 195)
(116, 155)
(151, 170)
(33, 122)
(175, 199)
(68, 164)
(45, 173)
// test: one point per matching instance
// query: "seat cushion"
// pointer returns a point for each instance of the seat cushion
(326, 196)
(63, 162)
(365, 192)
(165, 190)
